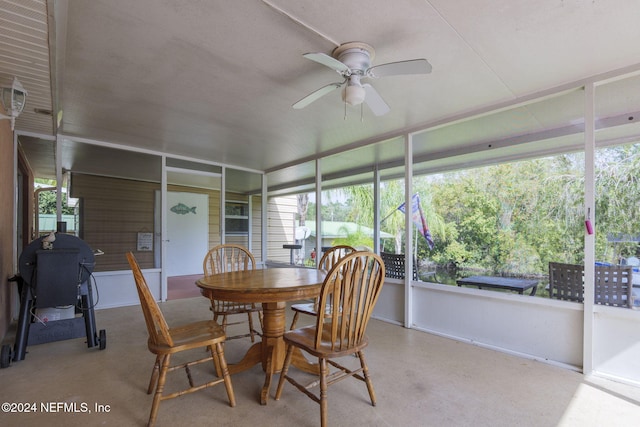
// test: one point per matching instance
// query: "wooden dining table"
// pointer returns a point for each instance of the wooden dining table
(273, 288)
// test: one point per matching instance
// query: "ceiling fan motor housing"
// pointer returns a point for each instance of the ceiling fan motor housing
(355, 55)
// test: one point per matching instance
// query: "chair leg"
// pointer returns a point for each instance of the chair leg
(324, 371)
(224, 323)
(295, 320)
(154, 374)
(251, 330)
(216, 361)
(159, 389)
(221, 362)
(260, 319)
(283, 373)
(367, 378)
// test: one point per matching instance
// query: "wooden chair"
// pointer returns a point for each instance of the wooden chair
(351, 289)
(164, 342)
(330, 257)
(225, 258)
(613, 284)
(394, 265)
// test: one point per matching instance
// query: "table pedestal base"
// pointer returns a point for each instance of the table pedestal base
(270, 351)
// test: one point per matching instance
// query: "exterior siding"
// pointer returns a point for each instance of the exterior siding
(111, 217)
(281, 217)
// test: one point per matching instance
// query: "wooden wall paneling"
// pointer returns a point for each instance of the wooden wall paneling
(113, 212)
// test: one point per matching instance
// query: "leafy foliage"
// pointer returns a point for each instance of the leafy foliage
(47, 203)
(513, 217)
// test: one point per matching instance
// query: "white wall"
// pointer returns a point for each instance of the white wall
(532, 327)
(521, 324)
(117, 288)
(390, 305)
(616, 337)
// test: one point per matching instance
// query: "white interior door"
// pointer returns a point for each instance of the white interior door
(187, 232)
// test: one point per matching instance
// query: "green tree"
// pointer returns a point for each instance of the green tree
(474, 217)
(357, 239)
(513, 217)
(47, 203)
(360, 197)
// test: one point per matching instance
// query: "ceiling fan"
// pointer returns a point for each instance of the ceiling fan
(353, 62)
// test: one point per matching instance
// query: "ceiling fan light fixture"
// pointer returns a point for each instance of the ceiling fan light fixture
(353, 95)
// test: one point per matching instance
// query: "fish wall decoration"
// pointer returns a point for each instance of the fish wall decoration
(182, 209)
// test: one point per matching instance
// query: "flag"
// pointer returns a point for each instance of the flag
(418, 219)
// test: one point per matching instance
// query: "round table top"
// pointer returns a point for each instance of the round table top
(265, 285)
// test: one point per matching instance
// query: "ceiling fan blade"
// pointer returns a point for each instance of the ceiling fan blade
(316, 95)
(328, 61)
(412, 66)
(374, 101)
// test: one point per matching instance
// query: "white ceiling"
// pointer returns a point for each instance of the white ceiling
(215, 80)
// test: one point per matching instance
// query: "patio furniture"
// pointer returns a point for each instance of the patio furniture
(566, 282)
(291, 249)
(165, 341)
(273, 287)
(613, 283)
(224, 258)
(329, 258)
(352, 288)
(632, 261)
(504, 283)
(394, 265)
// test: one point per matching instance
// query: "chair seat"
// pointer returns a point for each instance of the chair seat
(193, 335)
(305, 308)
(310, 308)
(304, 338)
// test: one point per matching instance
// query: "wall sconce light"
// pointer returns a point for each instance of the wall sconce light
(13, 99)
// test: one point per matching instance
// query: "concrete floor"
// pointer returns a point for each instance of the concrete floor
(420, 380)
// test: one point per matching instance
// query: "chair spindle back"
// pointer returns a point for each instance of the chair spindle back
(351, 288)
(156, 324)
(226, 258)
(333, 255)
